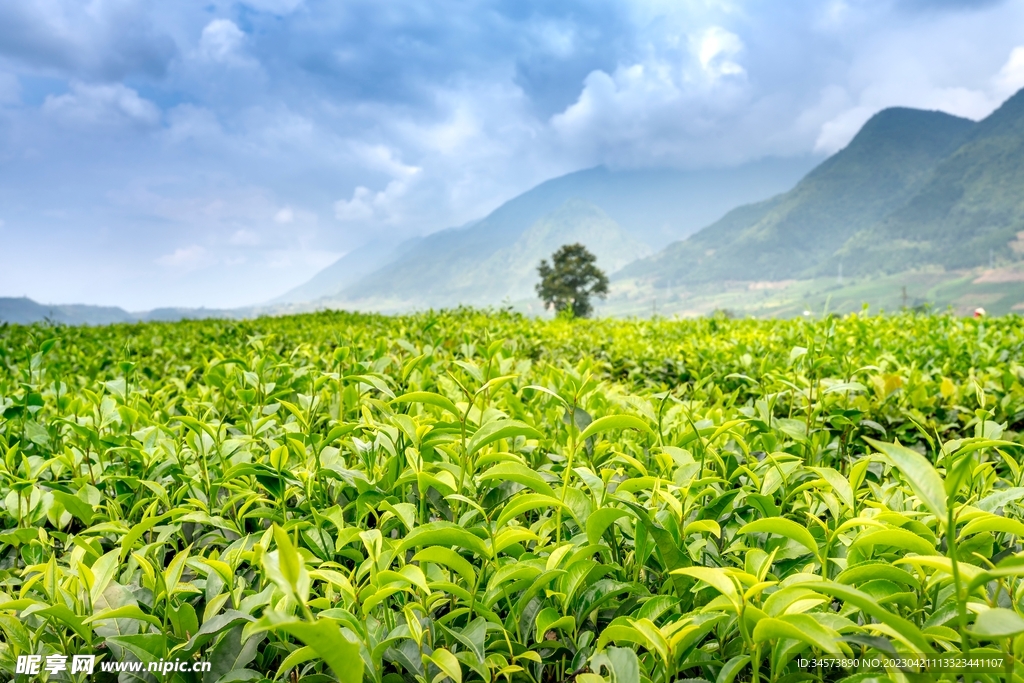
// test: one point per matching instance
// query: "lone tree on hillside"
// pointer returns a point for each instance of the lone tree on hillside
(572, 277)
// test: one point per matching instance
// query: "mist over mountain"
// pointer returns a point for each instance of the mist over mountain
(650, 206)
(347, 270)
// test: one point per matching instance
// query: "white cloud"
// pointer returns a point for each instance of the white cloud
(359, 208)
(366, 205)
(1010, 78)
(185, 258)
(284, 216)
(919, 90)
(837, 132)
(717, 50)
(650, 113)
(383, 158)
(221, 41)
(103, 104)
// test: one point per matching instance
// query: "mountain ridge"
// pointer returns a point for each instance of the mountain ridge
(648, 204)
(788, 236)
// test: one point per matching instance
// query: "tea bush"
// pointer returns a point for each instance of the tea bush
(477, 496)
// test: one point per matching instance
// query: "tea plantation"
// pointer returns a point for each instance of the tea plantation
(476, 496)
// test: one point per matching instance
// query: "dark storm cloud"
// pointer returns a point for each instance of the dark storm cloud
(101, 40)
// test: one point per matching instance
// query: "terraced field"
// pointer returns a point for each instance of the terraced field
(476, 496)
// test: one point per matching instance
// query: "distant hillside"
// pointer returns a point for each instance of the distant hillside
(25, 311)
(794, 235)
(505, 273)
(347, 270)
(651, 207)
(971, 208)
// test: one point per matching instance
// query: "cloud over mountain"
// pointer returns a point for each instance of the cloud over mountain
(130, 130)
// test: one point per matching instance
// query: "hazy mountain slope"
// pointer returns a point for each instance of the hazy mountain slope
(651, 206)
(23, 310)
(347, 270)
(657, 206)
(510, 271)
(971, 207)
(795, 234)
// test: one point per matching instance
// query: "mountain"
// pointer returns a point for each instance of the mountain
(968, 213)
(795, 235)
(651, 206)
(347, 270)
(471, 269)
(25, 311)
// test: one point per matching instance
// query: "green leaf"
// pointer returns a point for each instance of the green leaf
(75, 505)
(500, 429)
(899, 538)
(103, 570)
(994, 501)
(132, 537)
(783, 527)
(148, 647)
(288, 558)
(429, 398)
(443, 534)
(609, 422)
(522, 503)
(326, 638)
(919, 473)
(622, 664)
(732, 668)
(448, 558)
(800, 627)
(299, 656)
(125, 612)
(997, 622)
(448, 665)
(600, 520)
(549, 620)
(622, 633)
(870, 607)
(521, 474)
(993, 523)
(717, 578)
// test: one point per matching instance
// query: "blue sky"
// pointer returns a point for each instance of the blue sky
(219, 153)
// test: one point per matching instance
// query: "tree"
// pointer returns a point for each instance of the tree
(572, 277)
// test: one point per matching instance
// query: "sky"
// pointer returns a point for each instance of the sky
(219, 153)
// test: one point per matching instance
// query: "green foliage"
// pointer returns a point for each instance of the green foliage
(570, 280)
(474, 496)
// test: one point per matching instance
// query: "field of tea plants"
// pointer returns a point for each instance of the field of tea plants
(475, 496)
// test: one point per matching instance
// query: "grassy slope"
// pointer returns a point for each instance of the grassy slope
(970, 210)
(793, 234)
